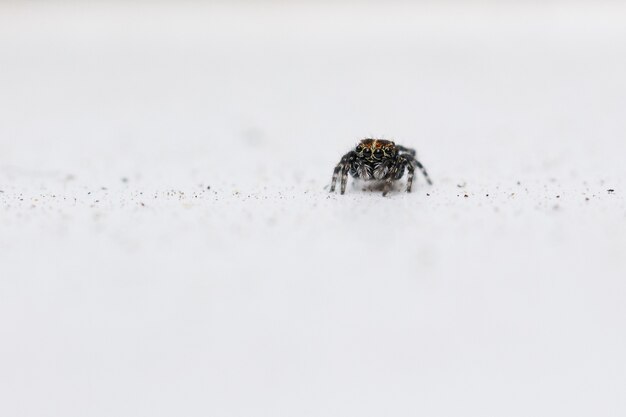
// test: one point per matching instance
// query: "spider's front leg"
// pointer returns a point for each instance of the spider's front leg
(387, 186)
(342, 167)
(395, 172)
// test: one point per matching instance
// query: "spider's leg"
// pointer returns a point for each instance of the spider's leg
(341, 167)
(344, 177)
(418, 164)
(335, 175)
(387, 187)
(411, 173)
(410, 151)
(394, 173)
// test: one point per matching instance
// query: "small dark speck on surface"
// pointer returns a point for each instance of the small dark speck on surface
(486, 195)
(610, 191)
(586, 198)
(428, 194)
(208, 187)
(462, 185)
(558, 196)
(519, 183)
(124, 180)
(465, 195)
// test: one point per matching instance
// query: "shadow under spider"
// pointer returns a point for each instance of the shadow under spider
(376, 186)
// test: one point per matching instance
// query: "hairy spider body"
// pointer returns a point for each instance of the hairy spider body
(378, 160)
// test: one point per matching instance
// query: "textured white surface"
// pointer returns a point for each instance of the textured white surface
(130, 288)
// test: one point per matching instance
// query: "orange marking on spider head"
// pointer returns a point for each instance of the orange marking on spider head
(373, 144)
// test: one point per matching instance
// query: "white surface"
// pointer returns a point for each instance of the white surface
(129, 289)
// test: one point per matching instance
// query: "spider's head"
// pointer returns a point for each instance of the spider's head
(376, 149)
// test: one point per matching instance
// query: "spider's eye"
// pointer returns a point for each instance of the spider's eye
(359, 148)
(367, 152)
(378, 153)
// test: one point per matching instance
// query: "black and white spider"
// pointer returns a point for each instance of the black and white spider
(379, 160)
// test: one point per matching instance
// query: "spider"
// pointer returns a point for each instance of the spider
(377, 159)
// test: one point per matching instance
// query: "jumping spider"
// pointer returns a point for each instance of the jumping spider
(377, 159)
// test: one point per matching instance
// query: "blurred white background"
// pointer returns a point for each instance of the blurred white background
(168, 247)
